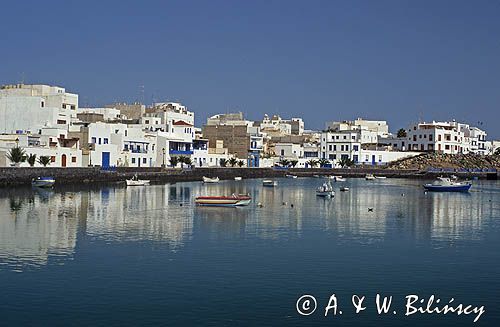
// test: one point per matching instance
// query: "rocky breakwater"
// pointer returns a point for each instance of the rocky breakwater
(430, 161)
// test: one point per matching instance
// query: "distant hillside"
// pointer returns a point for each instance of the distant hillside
(455, 161)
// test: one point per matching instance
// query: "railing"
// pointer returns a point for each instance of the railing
(185, 152)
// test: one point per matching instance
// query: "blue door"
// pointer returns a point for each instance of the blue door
(373, 160)
(105, 160)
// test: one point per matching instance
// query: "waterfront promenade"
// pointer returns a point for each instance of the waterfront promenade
(11, 176)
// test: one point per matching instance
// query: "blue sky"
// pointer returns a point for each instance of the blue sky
(322, 60)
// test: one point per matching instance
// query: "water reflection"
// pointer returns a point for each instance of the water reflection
(37, 226)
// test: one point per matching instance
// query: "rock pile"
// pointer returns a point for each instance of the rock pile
(453, 161)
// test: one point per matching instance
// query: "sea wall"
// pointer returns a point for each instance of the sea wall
(11, 176)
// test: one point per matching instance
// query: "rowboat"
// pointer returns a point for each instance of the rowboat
(445, 184)
(209, 180)
(290, 176)
(269, 183)
(224, 201)
(45, 181)
(325, 190)
(135, 181)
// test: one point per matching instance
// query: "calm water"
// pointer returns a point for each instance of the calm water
(148, 256)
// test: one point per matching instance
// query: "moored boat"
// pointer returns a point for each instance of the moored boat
(445, 184)
(43, 181)
(238, 178)
(369, 177)
(380, 177)
(338, 179)
(209, 180)
(269, 183)
(290, 176)
(224, 201)
(325, 190)
(344, 189)
(135, 181)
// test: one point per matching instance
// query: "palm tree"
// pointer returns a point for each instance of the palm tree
(174, 161)
(31, 159)
(233, 161)
(323, 162)
(223, 162)
(186, 160)
(294, 162)
(44, 160)
(241, 163)
(401, 132)
(497, 152)
(284, 163)
(16, 155)
(346, 162)
(312, 163)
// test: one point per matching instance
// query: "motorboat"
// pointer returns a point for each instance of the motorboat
(135, 181)
(316, 176)
(43, 181)
(338, 179)
(325, 190)
(269, 183)
(238, 178)
(380, 177)
(290, 176)
(344, 189)
(445, 184)
(369, 177)
(209, 180)
(224, 201)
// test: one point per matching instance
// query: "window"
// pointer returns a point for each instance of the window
(282, 152)
(342, 147)
(355, 147)
(345, 137)
(430, 137)
(353, 137)
(329, 147)
(334, 147)
(73, 107)
(43, 104)
(105, 140)
(439, 137)
(133, 160)
(63, 106)
(53, 159)
(144, 160)
(347, 147)
(126, 147)
(100, 140)
(447, 147)
(73, 159)
(93, 141)
(380, 158)
(420, 136)
(147, 121)
(414, 138)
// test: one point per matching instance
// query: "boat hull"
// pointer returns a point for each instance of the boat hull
(325, 194)
(208, 180)
(141, 182)
(222, 201)
(448, 188)
(43, 183)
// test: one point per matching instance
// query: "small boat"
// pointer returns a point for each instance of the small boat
(338, 179)
(380, 177)
(325, 190)
(290, 176)
(316, 176)
(224, 201)
(369, 177)
(445, 184)
(135, 181)
(269, 183)
(328, 176)
(209, 180)
(344, 189)
(238, 178)
(43, 181)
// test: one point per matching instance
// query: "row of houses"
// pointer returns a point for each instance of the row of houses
(46, 121)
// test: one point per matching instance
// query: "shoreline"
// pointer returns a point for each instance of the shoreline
(17, 176)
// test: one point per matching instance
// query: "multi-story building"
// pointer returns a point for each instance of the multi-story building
(372, 127)
(24, 108)
(446, 137)
(132, 111)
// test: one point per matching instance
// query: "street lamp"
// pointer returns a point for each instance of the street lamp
(163, 165)
(17, 142)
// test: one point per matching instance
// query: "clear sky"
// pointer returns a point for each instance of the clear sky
(321, 60)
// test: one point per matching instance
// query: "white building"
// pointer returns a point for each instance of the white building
(377, 127)
(109, 114)
(446, 137)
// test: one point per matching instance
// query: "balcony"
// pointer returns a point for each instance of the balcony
(180, 152)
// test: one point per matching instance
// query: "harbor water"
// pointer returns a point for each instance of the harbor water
(133, 256)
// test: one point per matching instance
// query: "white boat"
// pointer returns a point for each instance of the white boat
(338, 179)
(316, 176)
(238, 178)
(269, 183)
(369, 177)
(135, 181)
(325, 190)
(209, 180)
(380, 177)
(45, 182)
(224, 201)
(290, 176)
(344, 189)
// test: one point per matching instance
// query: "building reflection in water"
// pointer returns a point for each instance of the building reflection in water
(40, 226)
